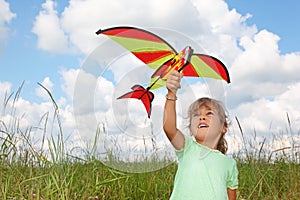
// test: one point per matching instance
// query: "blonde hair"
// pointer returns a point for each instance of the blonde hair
(218, 105)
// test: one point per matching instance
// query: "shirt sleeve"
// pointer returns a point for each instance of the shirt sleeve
(232, 180)
(187, 142)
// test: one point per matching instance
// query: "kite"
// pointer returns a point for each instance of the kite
(159, 55)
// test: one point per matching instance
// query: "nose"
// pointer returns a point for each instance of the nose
(201, 118)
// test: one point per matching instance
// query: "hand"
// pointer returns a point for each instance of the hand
(173, 82)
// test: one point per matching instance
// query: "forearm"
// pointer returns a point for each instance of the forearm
(231, 194)
(170, 125)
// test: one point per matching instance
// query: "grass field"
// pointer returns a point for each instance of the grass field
(25, 173)
(93, 180)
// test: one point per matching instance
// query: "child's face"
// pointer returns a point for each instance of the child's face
(206, 125)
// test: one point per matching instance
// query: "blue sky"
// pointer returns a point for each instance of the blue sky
(276, 16)
(47, 42)
(21, 60)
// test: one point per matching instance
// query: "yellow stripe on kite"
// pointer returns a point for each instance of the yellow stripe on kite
(203, 69)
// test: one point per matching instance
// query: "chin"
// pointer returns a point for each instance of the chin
(200, 137)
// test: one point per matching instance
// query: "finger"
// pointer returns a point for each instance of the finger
(175, 73)
(173, 85)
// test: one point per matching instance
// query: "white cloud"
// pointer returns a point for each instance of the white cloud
(51, 36)
(221, 20)
(261, 60)
(80, 20)
(260, 71)
(5, 17)
(69, 79)
(270, 115)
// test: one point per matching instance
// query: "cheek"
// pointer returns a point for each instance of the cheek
(193, 121)
(216, 122)
(193, 126)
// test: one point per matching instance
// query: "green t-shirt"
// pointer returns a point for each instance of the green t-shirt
(203, 173)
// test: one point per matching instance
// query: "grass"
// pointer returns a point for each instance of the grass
(260, 180)
(25, 172)
(84, 181)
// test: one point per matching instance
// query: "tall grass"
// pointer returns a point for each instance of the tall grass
(265, 174)
(50, 171)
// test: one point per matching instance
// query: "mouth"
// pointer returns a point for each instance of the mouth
(203, 125)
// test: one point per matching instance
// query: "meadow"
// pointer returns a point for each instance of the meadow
(26, 173)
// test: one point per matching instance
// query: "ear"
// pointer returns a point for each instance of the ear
(224, 129)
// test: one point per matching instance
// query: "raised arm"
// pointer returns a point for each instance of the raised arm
(170, 126)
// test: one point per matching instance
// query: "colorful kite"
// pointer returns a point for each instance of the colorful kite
(163, 58)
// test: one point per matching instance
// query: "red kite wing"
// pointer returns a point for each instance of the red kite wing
(146, 46)
(202, 65)
(199, 65)
(155, 51)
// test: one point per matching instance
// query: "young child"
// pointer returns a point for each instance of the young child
(204, 172)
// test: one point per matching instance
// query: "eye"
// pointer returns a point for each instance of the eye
(196, 115)
(210, 113)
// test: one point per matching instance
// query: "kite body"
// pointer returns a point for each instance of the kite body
(163, 58)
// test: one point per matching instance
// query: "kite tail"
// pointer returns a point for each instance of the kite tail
(139, 92)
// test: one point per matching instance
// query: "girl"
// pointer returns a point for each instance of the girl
(204, 172)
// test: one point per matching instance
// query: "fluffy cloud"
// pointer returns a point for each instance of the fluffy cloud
(78, 22)
(268, 117)
(5, 17)
(82, 18)
(261, 70)
(51, 36)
